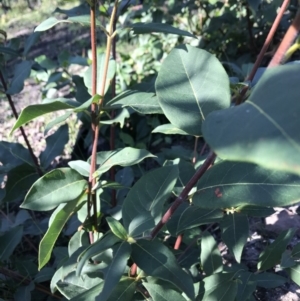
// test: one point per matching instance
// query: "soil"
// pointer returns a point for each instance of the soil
(58, 39)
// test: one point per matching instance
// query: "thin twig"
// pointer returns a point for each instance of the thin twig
(21, 278)
(13, 108)
(178, 241)
(263, 49)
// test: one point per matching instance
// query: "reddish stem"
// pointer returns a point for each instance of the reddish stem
(133, 270)
(183, 195)
(178, 242)
(287, 41)
(264, 49)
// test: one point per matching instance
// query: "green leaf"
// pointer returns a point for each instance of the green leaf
(141, 28)
(245, 184)
(121, 253)
(9, 51)
(86, 105)
(105, 242)
(55, 145)
(296, 251)
(235, 231)
(56, 121)
(81, 167)
(145, 200)
(159, 293)
(30, 41)
(294, 273)
(190, 84)
(14, 154)
(272, 254)
(47, 24)
(269, 280)
(33, 111)
(124, 157)
(19, 180)
(157, 260)
(72, 286)
(211, 259)
(246, 285)
(9, 242)
(100, 72)
(58, 220)
(21, 72)
(286, 260)
(141, 98)
(124, 290)
(265, 129)
(117, 228)
(90, 294)
(169, 129)
(257, 211)
(188, 217)
(54, 188)
(120, 118)
(221, 287)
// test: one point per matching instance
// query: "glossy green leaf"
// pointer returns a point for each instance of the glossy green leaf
(33, 111)
(160, 293)
(246, 285)
(21, 72)
(190, 84)
(294, 273)
(54, 145)
(235, 231)
(211, 259)
(54, 188)
(90, 294)
(124, 157)
(23, 293)
(56, 121)
(9, 51)
(19, 180)
(265, 129)
(157, 260)
(146, 198)
(30, 41)
(49, 23)
(221, 287)
(86, 105)
(245, 184)
(44, 275)
(141, 28)
(120, 118)
(72, 286)
(142, 98)
(272, 254)
(121, 253)
(9, 242)
(124, 290)
(58, 220)
(188, 217)
(286, 260)
(81, 167)
(296, 251)
(100, 72)
(14, 154)
(169, 129)
(117, 228)
(105, 242)
(257, 211)
(269, 280)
